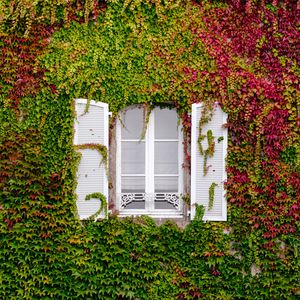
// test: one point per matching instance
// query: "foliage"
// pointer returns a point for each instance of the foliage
(209, 152)
(211, 195)
(103, 206)
(243, 54)
(102, 150)
(22, 16)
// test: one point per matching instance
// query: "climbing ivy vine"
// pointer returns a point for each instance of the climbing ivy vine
(242, 54)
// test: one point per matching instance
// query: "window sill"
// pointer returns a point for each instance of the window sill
(158, 214)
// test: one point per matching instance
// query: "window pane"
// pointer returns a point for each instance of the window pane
(166, 123)
(166, 201)
(133, 123)
(166, 158)
(166, 184)
(133, 157)
(133, 184)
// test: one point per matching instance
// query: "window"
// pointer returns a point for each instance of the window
(148, 175)
(149, 164)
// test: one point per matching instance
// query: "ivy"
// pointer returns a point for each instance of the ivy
(102, 150)
(243, 54)
(209, 152)
(103, 205)
(211, 197)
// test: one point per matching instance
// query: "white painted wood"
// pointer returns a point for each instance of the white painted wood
(91, 127)
(150, 175)
(200, 183)
(150, 162)
(118, 163)
(180, 164)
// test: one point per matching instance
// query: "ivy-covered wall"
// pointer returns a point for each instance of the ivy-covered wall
(243, 54)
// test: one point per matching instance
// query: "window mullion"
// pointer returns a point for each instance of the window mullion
(180, 162)
(118, 163)
(150, 164)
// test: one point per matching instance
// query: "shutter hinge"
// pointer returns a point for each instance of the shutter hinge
(109, 113)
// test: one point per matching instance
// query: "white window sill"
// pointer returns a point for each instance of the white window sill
(158, 214)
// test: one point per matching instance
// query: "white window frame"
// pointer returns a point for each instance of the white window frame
(149, 174)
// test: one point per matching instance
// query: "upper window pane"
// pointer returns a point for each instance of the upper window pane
(133, 123)
(166, 123)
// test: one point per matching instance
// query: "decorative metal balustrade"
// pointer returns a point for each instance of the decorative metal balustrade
(171, 198)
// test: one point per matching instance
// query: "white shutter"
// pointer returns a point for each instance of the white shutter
(91, 127)
(216, 174)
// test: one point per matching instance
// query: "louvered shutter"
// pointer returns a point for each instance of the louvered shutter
(91, 127)
(215, 165)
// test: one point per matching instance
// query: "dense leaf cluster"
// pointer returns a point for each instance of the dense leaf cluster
(135, 259)
(243, 54)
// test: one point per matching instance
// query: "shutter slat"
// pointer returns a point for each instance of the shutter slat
(200, 183)
(91, 128)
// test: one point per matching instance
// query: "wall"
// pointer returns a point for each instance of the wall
(243, 55)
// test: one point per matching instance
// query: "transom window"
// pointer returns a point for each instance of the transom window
(149, 164)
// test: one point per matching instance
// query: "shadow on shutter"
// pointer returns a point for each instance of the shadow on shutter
(208, 168)
(91, 128)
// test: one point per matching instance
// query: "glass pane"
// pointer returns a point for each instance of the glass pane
(166, 184)
(133, 158)
(166, 123)
(166, 158)
(133, 123)
(167, 201)
(133, 184)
